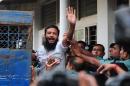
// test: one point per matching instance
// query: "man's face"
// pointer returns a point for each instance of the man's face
(114, 51)
(123, 54)
(97, 51)
(51, 35)
(81, 45)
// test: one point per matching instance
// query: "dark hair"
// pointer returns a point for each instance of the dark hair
(33, 51)
(82, 42)
(52, 26)
(103, 49)
(101, 79)
(58, 79)
(126, 48)
(113, 44)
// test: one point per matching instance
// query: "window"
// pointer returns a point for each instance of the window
(79, 34)
(50, 13)
(12, 36)
(87, 7)
(91, 35)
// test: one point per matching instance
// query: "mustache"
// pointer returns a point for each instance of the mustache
(49, 46)
(50, 38)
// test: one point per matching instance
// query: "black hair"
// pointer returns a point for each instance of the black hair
(101, 79)
(82, 42)
(126, 48)
(113, 44)
(103, 49)
(58, 79)
(52, 26)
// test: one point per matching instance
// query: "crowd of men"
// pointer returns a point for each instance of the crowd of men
(69, 63)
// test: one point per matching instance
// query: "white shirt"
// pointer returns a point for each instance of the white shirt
(58, 52)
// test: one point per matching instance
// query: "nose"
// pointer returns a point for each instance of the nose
(51, 34)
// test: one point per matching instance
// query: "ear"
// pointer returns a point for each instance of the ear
(103, 53)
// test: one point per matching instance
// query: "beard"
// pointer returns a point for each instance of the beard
(49, 46)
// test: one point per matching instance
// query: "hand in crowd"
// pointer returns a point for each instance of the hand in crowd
(32, 73)
(108, 67)
(51, 62)
(71, 15)
(76, 50)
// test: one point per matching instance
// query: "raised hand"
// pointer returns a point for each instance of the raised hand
(71, 15)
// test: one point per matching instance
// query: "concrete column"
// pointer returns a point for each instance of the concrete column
(105, 23)
(36, 27)
(63, 21)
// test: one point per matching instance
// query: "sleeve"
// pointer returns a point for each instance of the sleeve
(63, 48)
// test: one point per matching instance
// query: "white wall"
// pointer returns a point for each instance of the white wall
(85, 22)
(105, 23)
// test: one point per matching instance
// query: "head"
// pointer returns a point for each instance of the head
(124, 53)
(34, 55)
(114, 50)
(98, 50)
(51, 37)
(82, 44)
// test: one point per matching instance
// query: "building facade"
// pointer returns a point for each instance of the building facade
(95, 19)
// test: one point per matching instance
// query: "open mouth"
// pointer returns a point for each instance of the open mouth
(51, 40)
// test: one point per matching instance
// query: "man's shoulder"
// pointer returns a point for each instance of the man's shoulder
(41, 48)
(105, 61)
(60, 46)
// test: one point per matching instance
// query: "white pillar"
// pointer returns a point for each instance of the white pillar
(105, 23)
(63, 21)
(36, 27)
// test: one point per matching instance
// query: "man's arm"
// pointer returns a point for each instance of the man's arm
(92, 60)
(77, 51)
(108, 67)
(71, 16)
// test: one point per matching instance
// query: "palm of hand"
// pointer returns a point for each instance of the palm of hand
(71, 18)
(71, 15)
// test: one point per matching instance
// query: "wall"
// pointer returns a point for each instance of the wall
(85, 22)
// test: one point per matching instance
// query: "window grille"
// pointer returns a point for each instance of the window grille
(14, 37)
(91, 35)
(87, 8)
